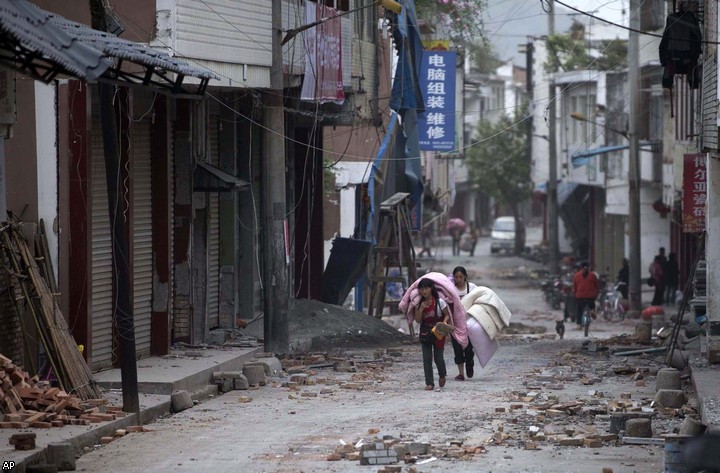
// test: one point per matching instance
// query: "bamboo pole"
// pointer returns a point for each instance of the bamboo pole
(10, 252)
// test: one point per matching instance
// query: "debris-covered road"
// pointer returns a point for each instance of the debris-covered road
(541, 405)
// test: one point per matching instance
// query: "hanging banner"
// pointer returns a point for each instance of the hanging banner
(694, 192)
(436, 125)
(323, 61)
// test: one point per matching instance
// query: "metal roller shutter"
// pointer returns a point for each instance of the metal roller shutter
(213, 290)
(142, 236)
(101, 286)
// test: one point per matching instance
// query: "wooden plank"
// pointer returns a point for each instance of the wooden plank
(387, 278)
(643, 441)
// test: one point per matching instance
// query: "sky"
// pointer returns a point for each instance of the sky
(510, 22)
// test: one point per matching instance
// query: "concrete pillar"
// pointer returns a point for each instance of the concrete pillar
(712, 252)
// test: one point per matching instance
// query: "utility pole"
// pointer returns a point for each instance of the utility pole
(275, 276)
(635, 286)
(552, 201)
(122, 307)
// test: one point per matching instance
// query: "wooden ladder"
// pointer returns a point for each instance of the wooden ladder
(394, 249)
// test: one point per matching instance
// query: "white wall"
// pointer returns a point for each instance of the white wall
(47, 164)
(347, 176)
(540, 158)
(712, 241)
(204, 32)
(653, 228)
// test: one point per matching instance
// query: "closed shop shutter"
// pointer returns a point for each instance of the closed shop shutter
(101, 285)
(142, 236)
(213, 290)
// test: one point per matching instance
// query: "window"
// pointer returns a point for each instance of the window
(365, 20)
(342, 5)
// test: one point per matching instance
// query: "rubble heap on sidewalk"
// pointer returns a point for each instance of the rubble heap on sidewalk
(28, 402)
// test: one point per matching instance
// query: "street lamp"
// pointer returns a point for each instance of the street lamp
(635, 280)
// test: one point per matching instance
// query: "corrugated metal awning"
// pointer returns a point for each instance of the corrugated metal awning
(208, 178)
(42, 45)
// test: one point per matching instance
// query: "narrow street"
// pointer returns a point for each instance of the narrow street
(511, 417)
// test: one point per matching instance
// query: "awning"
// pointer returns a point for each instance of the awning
(42, 45)
(583, 157)
(208, 178)
(564, 190)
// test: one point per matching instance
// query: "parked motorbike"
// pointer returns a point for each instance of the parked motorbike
(552, 288)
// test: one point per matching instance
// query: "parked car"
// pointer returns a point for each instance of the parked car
(503, 234)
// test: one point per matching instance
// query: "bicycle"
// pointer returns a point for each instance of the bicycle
(586, 316)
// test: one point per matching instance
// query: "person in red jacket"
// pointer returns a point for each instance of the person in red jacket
(586, 288)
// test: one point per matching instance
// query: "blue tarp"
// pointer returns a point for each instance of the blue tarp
(406, 99)
(405, 91)
(373, 171)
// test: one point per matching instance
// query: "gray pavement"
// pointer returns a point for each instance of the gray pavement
(191, 370)
(158, 377)
(705, 376)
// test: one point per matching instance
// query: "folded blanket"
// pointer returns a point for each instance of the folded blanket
(484, 305)
(446, 289)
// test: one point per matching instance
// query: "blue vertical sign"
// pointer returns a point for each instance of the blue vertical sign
(437, 83)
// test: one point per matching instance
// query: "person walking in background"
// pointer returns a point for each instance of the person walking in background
(431, 310)
(426, 235)
(474, 235)
(456, 234)
(464, 358)
(656, 274)
(671, 272)
(624, 277)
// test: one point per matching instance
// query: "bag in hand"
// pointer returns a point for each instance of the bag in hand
(650, 282)
(427, 337)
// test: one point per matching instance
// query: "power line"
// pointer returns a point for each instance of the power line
(646, 33)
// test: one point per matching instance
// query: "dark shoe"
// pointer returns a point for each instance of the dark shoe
(459, 378)
(470, 370)
(429, 387)
(442, 382)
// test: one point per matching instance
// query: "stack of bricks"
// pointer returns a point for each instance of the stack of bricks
(377, 453)
(26, 402)
(24, 441)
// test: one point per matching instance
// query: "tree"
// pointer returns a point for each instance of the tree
(483, 56)
(497, 163)
(569, 52)
(461, 19)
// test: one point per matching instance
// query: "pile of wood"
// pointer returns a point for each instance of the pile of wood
(68, 365)
(27, 402)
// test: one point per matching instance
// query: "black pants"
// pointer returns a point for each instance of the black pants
(659, 294)
(581, 304)
(670, 291)
(463, 356)
(456, 247)
(428, 355)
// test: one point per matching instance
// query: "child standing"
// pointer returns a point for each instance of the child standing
(432, 309)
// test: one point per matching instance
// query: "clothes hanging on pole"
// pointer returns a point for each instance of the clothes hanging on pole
(680, 48)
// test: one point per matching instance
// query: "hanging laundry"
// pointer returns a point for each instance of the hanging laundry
(680, 47)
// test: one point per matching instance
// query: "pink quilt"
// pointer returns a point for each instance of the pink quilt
(446, 289)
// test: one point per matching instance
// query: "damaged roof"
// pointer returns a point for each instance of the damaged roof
(43, 45)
